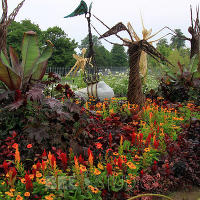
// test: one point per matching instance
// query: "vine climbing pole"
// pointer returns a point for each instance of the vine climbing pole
(5, 22)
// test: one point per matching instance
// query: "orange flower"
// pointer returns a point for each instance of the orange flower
(90, 159)
(29, 146)
(27, 194)
(9, 194)
(96, 172)
(83, 168)
(38, 175)
(19, 197)
(131, 165)
(42, 181)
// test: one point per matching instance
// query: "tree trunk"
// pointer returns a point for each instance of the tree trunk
(135, 94)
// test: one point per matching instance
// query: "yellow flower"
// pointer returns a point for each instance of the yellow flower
(27, 194)
(96, 172)
(100, 166)
(115, 154)
(83, 168)
(19, 197)
(95, 190)
(147, 149)
(115, 173)
(38, 174)
(42, 181)
(131, 165)
(3, 183)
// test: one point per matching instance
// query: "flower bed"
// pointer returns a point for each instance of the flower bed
(127, 152)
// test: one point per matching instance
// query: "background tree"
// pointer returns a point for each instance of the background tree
(16, 31)
(64, 47)
(176, 40)
(102, 55)
(119, 56)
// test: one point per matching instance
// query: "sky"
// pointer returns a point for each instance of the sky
(156, 14)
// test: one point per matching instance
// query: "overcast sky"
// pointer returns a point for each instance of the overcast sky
(156, 14)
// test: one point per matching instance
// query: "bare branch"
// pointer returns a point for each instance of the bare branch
(5, 11)
(14, 13)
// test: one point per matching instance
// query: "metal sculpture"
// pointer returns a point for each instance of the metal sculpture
(135, 49)
(91, 76)
(5, 22)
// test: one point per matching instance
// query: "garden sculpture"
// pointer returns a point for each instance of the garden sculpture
(146, 36)
(135, 49)
(5, 22)
(80, 62)
(91, 76)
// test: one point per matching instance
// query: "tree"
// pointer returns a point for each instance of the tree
(85, 42)
(102, 55)
(177, 39)
(16, 31)
(64, 47)
(119, 56)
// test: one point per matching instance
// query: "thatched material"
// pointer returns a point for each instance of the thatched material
(135, 94)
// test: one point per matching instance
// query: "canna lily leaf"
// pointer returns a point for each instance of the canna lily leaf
(15, 61)
(30, 54)
(81, 9)
(9, 77)
(41, 63)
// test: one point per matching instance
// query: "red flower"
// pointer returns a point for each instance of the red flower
(44, 154)
(99, 146)
(14, 134)
(15, 145)
(133, 137)
(156, 144)
(119, 162)
(28, 182)
(63, 157)
(109, 169)
(38, 165)
(142, 173)
(155, 167)
(5, 166)
(29, 146)
(89, 152)
(53, 161)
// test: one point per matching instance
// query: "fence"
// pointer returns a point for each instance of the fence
(104, 70)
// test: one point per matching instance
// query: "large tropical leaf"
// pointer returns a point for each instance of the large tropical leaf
(9, 77)
(114, 30)
(16, 65)
(81, 9)
(30, 54)
(41, 64)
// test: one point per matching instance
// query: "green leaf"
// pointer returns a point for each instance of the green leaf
(9, 77)
(81, 9)
(90, 7)
(30, 54)
(41, 64)
(4, 59)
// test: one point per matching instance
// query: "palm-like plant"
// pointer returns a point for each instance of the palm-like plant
(18, 75)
